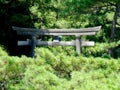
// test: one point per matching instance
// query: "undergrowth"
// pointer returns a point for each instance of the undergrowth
(58, 71)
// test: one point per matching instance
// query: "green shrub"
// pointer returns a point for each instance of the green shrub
(100, 49)
(51, 71)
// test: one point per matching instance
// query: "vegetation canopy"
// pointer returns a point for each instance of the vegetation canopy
(60, 68)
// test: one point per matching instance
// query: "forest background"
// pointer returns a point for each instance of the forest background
(62, 14)
(60, 68)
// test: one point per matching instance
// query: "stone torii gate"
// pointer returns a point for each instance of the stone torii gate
(33, 42)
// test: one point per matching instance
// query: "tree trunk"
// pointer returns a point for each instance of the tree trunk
(114, 23)
(111, 50)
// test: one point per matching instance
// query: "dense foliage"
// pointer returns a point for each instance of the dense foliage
(59, 14)
(60, 68)
(58, 71)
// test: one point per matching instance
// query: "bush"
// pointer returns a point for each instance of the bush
(49, 71)
(100, 49)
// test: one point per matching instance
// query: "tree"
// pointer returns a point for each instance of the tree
(13, 13)
(96, 7)
(114, 22)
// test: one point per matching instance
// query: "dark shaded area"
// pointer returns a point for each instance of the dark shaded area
(13, 13)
